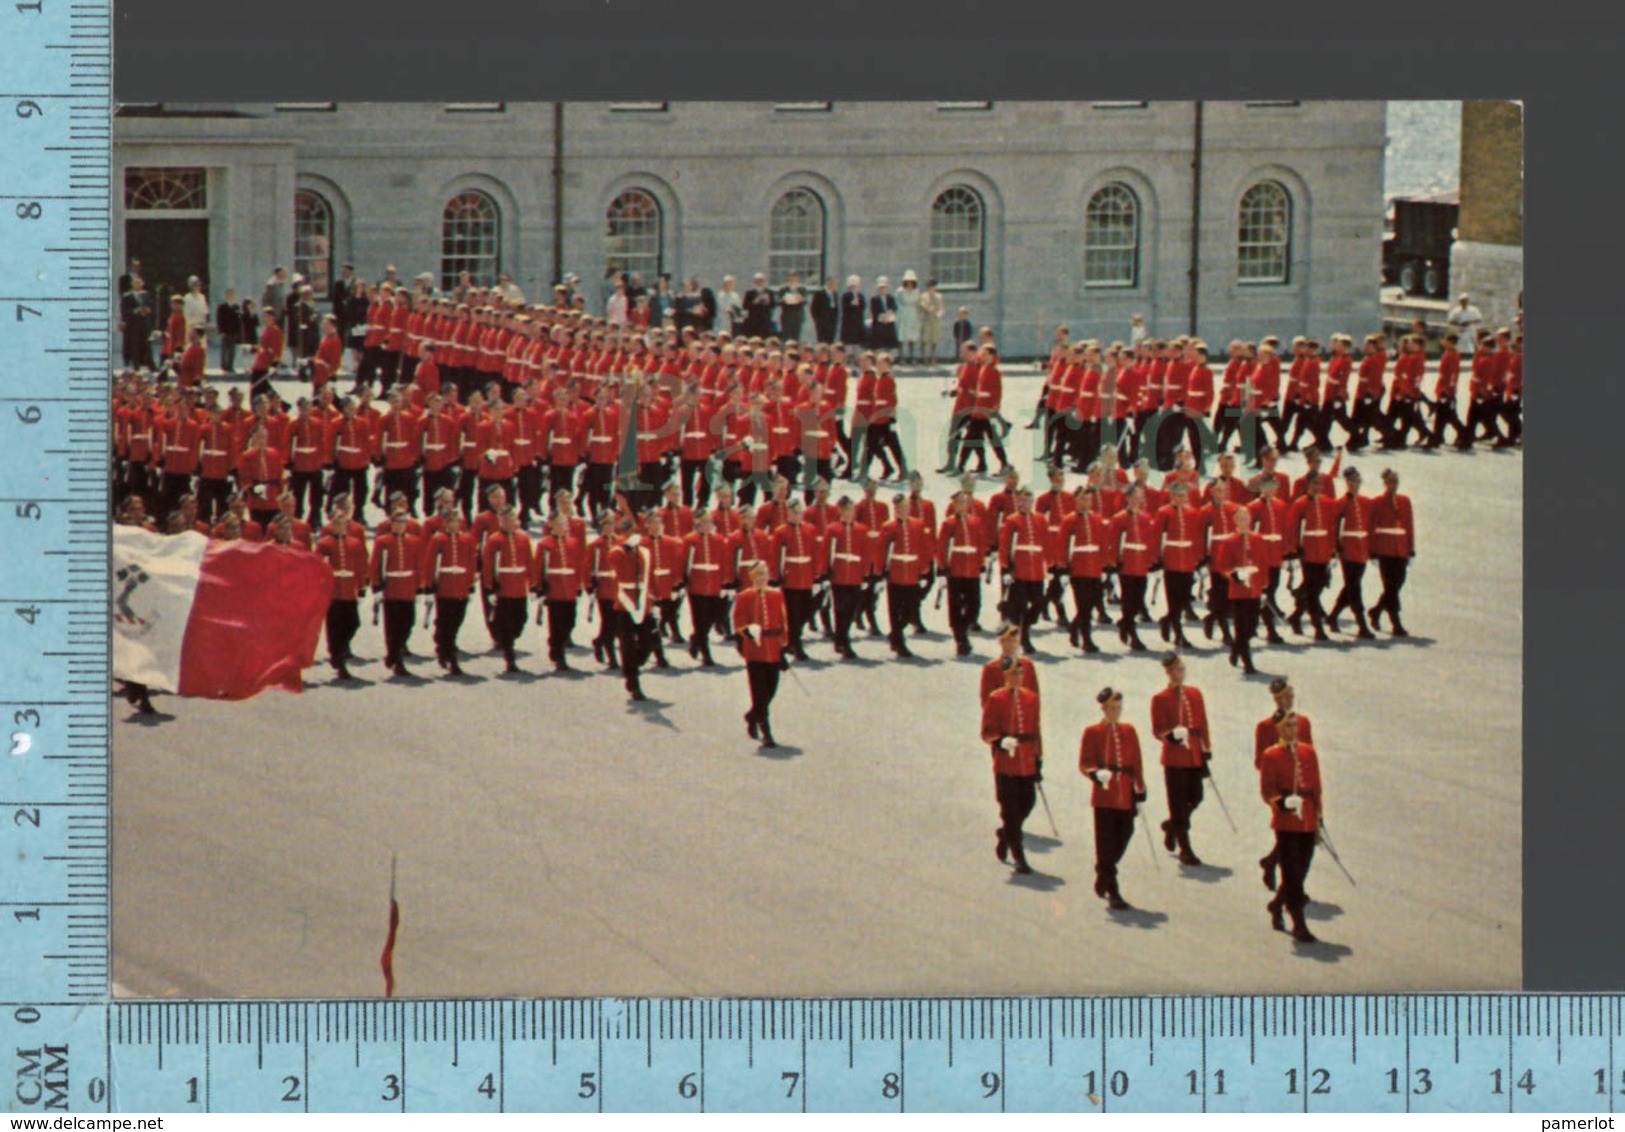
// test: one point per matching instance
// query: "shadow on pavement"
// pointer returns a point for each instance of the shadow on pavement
(1321, 951)
(1316, 910)
(1039, 843)
(1142, 918)
(782, 751)
(148, 719)
(1038, 882)
(1207, 874)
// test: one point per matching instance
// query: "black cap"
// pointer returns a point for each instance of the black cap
(1169, 659)
(1278, 685)
(1107, 695)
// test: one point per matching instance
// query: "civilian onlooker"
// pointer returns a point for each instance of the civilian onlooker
(826, 311)
(338, 298)
(355, 314)
(195, 305)
(634, 287)
(883, 317)
(730, 306)
(963, 331)
(612, 279)
(617, 306)
(1464, 318)
(759, 304)
(931, 311)
(228, 319)
(661, 302)
(135, 321)
(248, 323)
(854, 308)
(1137, 331)
(275, 294)
(908, 316)
(792, 308)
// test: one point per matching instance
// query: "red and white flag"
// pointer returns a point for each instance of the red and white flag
(224, 620)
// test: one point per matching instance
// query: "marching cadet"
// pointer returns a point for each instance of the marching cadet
(633, 567)
(1180, 533)
(1179, 723)
(874, 514)
(1055, 505)
(1444, 394)
(798, 550)
(604, 588)
(1311, 536)
(1353, 551)
(351, 446)
(1511, 405)
(707, 558)
(665, 580)
(400, 440)
(1290, 784)
(1086, 552)
(1368, 393)
(1109, 756)
(506, 568)
(451, 565)
(1269, 522)
(1134, 539)
(1010, 727)
(1247, 568)
(345, 553)
(1403, 414)
(298, 529)
(906, 552)
(960, 547)
(850, 553)
(397, 573)
(759, 623)
(1265, 735)
(1393, 545)
(561, 574)
(1335, 397)
(1024, 549)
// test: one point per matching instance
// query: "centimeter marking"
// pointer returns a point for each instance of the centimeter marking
(55, 323)
(1395, 1053)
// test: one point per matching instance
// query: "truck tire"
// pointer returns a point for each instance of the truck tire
(1435, 280)
(1410, 276)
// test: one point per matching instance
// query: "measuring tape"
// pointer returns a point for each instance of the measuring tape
(73, 1050)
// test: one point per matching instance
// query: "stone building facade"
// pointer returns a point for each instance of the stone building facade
(1031, 213)
(1487, 256)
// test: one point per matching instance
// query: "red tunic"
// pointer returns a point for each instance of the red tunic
(397, 566)
(347, 556)
(1393, 530)
(505, 563)
(1354, 528)
(1292, 772)
(708, 559)
(993, 675)
(961, 546)
(1266, 735)
(450, 565)
(1271, 520)
(763, 610)
(329, 354)
(270, 349)
(1247, 566)
(1114, 751)
(1180, 706)
(850, 553)
(1181, 533)
(1086, 544)
(1024, 547)
(560, 568)
(1013, 713)
(800, 554)
(1135, 536)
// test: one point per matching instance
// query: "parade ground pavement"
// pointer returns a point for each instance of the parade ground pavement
(553, 840)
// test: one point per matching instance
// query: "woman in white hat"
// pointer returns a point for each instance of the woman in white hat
(908, 316)
(931, 308)
(882, 316)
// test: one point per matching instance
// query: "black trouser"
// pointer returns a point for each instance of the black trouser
(212, 497)
(561, 622)
(1017, 794)
(409, 369)
(1219, 605)
(1367, 416)
(964, 606)
(1403, 416)
(404, 481)
(448, 620)
(1293, 852)
(562, 477)
(902, 609)
(343, 619)
(1349, 597)
(351, 482)
(1184, 785)
(956, 435)
(764, 683)
(1294, 413)
(1086, 593)
(171, 486)
(881, 440)
(1181, 586)
(607, 629)
(1510, 410)
(1113, 829)
(847, 599)
(979, 434)
(1393, 572)
(1445, 415)
(1481, 414)
(691, 474)
(228, 352)
(1253, 426)
(706, 612)
(798, 610)
(595, 485)
(1022, 603)
(389, 369)
(1226, 419)
(399, 613)
(433, 480)
(1133, 604)
(1316, 577)
(308, 495)
(1176, 426)
(636, 639)
(508, 624)
(467, 481)
(1336, 412)
(820, 468)
(1142, 420)
(530, 492)
(1246, 615)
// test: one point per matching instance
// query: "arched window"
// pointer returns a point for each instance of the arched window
(796, 238)
(165, 188)
(635, 235)
(313, 240)
(1111, 238)
(470, 239)
(1264, 245)
(958, 239)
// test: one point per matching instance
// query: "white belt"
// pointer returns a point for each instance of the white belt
(695, 435)
(1091, 547)
(705, 566)
(904, 557)
(433, 447)
(819, 432)
(453, 570)
(848, 557)
(400, 573)
(648, 435)
(184, 448)
(496, 452)
(1220, 538)
(1389, 531)
(343, 573)
(1173, 542)
(599, 437)
(1134, 546)
(1028, 546)
(342, 448)
(1270, 538)
(1353, 534)
(302, 448)
(1321, 532)
(391, 444)
(510, 570)
(213, 452)
(565, 440)
(560, 570)
(968, 550)
(808, 558)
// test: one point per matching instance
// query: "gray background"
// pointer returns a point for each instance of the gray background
(1562, 63)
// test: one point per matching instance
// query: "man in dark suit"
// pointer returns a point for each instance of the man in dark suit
(826, 307)
(705, 306)
(135, 320)
(338, 298)
(759, 303)
(854, 332)
(124, 280)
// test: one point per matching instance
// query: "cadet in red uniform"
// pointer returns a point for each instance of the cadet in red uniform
(665, 583)
(560, 575)
(906, 553)
(449, 570)
(850, 552)
(707, 568)
(1290, 785)
(760, 622)
(1181, 534)
(1247, 567)
(798, 550)
(1368, 393)
(400, 441)
(352, 444)
(605, 586)
(268, 356)
(1312, 537)
(324, 366)
(632, 564)
(1134, 539)
(346, 554)
(506, 570)
(397, 574)
(1393, 545)
(1085, 547)
(961, 545)
(1179, 723)
(260, 471)
(1511, 408)
(1403, 414)
(1444, 394)
(1109, 756)
(1009, 641)
(1265, 735)
(1353, 551)
(1024, 552)
(1270, 514)
(1010, 727)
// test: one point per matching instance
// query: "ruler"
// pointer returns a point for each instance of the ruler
(71, 1049)
(1422, 1053)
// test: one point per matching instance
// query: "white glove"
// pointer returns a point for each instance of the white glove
(1008, 743)
(1290, 804)
(1178, 734)
(754, 632)
(1243, 572)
